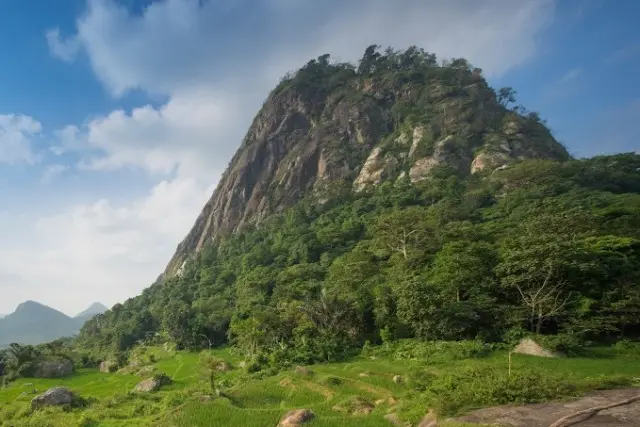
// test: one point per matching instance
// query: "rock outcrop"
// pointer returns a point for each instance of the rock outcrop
(53, 369)
(152, 384)
(296, 417)
(56, 396)
(331, 123)
(108, 366)
(532, 348)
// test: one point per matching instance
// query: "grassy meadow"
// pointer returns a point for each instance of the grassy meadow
(383, 381)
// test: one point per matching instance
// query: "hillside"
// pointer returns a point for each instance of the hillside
(360, 393)
(35, 323)
(397, 114)
(399, 198)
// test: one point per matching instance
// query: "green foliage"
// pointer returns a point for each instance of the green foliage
(543, 246)
(449, 394)
(431, 351)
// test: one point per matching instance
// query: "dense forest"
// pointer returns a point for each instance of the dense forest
(547, 246)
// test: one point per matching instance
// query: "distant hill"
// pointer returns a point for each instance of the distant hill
(95, 308)
(35, 323)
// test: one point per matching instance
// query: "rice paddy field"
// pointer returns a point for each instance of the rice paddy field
(358, 393)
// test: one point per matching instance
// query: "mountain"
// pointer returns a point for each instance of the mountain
(398, 114)
(396, 198)
(95, 308)
(35, 323)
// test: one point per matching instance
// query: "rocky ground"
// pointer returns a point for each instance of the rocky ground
(545, 414)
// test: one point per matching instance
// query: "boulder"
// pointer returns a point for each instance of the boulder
(303, 370)
(151, 384)
(397, 379)
(393, 419)
(296, 417)
(53, 397)
(354, 406)
(108, 366)
(429, 420)
(53, 369)
(532, 348)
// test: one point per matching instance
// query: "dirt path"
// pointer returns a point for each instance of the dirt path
(544, 414)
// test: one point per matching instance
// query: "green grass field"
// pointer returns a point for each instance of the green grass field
(253, 401)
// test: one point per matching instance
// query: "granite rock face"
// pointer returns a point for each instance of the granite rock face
(333, 123)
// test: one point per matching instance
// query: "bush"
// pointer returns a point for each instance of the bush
(420, 379)
(430, 351)
(452, 392)
(568, 344)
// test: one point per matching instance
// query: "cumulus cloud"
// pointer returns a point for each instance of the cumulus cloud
(176, 44)
(16, 132)
(101, 250)
(216, 62)
(192, 135)
(66, 50)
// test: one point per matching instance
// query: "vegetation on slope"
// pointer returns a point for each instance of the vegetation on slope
(450, 377)
(546, 247)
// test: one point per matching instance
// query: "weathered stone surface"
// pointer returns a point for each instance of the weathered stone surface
(354, 406)
(532, 348)
(376, 168)
(151, 384)
(108, 366)
(53, 397)
(53, 369)
(393, 419)
(296, 417)
(429, 420)
(298, 142)
(544, 414)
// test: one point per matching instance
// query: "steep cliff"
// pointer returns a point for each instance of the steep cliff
(396, 115)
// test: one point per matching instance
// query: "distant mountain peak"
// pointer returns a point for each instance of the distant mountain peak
(35, 323)
(95, 308)
(31, 305)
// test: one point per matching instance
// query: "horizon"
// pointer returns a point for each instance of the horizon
(2, 315)
(118, 117)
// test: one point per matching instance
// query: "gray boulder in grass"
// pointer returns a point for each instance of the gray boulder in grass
(55, 396)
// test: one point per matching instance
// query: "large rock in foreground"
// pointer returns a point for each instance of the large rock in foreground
(56, 396)
(296, 417)
(53, 369)
(532, 348)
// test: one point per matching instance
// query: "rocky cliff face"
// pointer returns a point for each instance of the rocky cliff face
(396, 115)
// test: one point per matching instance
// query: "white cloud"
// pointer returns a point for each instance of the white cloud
(16, 132)
(66, 50)
(193, 134)
(177, 44)
(96, 251)
(216, 60)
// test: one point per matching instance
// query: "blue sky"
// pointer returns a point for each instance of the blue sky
(117, 117)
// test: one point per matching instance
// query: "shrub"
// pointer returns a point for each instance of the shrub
(430, 351)
(420, 379)
(452, 392)
(568, 344)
